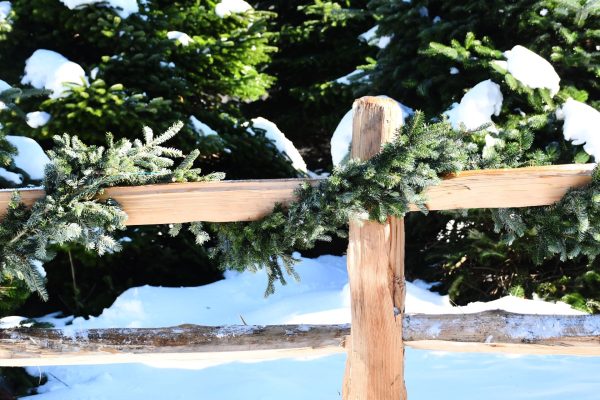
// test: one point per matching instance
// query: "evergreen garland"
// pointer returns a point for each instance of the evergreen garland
(376, 189)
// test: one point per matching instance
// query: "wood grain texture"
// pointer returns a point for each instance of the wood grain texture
(229, 201)
(375, 363)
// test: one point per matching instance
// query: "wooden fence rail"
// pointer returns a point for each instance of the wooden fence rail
(229, 201)
(490, 331)
(380, 329)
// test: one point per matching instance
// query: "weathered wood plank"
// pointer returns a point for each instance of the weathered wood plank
(250, 200)
(375, 363)
(491, 331)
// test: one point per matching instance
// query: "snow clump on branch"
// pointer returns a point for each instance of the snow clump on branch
(201, 128)
(5, 9)
(3, 86)
(532, 70)
(47, 69)
(123, 7)
(582, 125)
(228, 7)
(183, 38)
(282, 143)
(37, 118)
(477, 107)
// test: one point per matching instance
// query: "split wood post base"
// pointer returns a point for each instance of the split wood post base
(375, 364)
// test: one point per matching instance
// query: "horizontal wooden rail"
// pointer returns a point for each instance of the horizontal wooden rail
(492, 331)
(229, 201)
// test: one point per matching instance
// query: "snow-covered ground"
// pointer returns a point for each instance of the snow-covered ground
(321, 297)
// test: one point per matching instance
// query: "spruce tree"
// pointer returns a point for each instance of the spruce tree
(438, 50)
(318, 43)
(166, 61)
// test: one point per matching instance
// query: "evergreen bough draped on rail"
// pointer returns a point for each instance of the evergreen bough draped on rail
(376, 189)
(70, 212)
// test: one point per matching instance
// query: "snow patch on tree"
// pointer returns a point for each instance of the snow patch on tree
(30, 156)
(582, 125)
(201, 128)
(124, 7)
(3, 86)
(282, 143)
(47, 69)
(477, 106)
(532, 70)
(342, 136)
(37, 118)
(228, 7)
(39, 267)
(183, 38)
(5, 9)
(351, 77)
(371, 38)
(11, 176)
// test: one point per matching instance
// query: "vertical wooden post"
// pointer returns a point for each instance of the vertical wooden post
(375, 364)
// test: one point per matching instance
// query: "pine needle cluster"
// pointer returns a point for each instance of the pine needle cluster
(71, 211)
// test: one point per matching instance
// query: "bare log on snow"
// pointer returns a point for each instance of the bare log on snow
(491, 331)
(37, 346)
(503, 332)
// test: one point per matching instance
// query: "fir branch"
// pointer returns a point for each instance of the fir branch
(70, 212)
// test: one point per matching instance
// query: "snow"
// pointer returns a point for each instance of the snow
(94, 73)
(228, 7)
(476, 107)
(342, 136)
(30, 158)
(183, 38)
(165, 64)
(350, 78)
(47, 69)
(373, 39)
(39, 267)
(11, 176)
(5, 9)
(582, 125)
(490, 143)
(37, 118)
(282, 143)
(532, 70)
(3, 86)
(321, 297)
(124, 7)
(201, 128)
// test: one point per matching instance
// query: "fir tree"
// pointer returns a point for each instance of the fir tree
(437, 51)
(138, 75)
(317, 44)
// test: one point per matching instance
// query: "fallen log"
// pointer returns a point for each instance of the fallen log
(490, 331)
